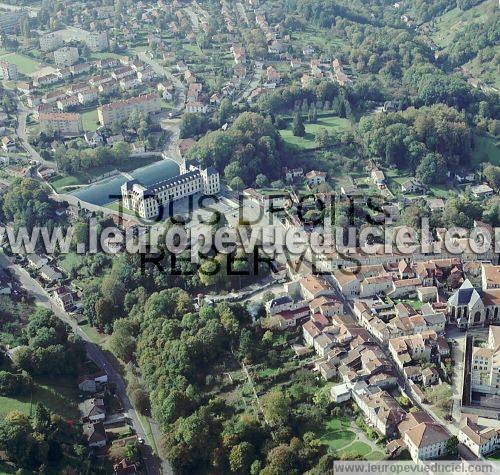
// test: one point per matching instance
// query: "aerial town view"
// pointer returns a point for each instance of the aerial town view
(253, 237)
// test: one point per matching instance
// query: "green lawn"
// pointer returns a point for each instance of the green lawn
(316, 38)
(106, 55)
(118, 206)
(89, 120)
(415, 304)
(338, 437)
(62, 181)
(487, 149)
(494, 456)
(60, 395)
(92, 333)
(358, 448)
(336, 434)
(332, 124)
(25, 64)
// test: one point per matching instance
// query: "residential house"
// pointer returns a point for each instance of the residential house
(407, 349)
(430, 376)
(93, 382)
(378, 177)
(93, 139)
(323, 343)
(95, 434)
(64, 297)
(315, 178)
(327, 369)
(8, 145)
(50, 274)
(92, 410)
(273, 76)
(196, 107)
(380, 408)
(310, 332)
(65, 123)
(490, 276)
(313, 286)
(67, 103)
(482, 191)
(88, 95)
(410, 186)
(35, 261)
(340, 393)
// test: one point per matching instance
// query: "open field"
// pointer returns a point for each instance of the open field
(315, 38)
(331, 123)
(455, 20)
(487, 149)
(60, 395)
(24, 64)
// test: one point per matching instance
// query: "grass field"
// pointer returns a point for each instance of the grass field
(60, 395)
(332, 124)
(487, 149)
(455, 20)
(106, 55)
(24, 64)
(89, 120)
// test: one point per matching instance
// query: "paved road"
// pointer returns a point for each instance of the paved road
(94, 352)
(22, 133)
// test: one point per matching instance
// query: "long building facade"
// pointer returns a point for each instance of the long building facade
(65, 123)
(120, 110)
(147, 202)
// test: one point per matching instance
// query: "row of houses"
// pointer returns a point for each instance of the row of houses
(386, 321)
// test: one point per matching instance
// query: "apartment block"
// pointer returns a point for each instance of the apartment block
(64, 123)
(66, 56)
(9, 70)
(120, 110)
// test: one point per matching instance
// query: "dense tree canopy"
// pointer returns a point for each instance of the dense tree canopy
(251, 144)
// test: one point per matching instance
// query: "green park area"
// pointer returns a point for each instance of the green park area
(24, 64)
(333, 124)
(340, 438)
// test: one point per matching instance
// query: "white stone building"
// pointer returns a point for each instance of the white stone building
(147, 201)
